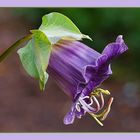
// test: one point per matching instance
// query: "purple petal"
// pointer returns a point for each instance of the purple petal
(115, 49)
(69, 118)
(111, 51)
(67, 63)
(73, 65)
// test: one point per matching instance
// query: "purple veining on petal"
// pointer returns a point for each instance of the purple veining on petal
(67, 63)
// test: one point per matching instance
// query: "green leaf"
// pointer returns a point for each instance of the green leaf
(57, 26)
(35, 57)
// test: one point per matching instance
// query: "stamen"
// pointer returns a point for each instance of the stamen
(86, 106)
(104, 114)
(97, 103)
(87, 97)
(102, 101)
(96, 119)
(78, 107)
(104, 91)
(91, 102)
(99, 90)
(107, 110)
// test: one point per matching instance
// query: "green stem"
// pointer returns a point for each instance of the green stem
(15, 45)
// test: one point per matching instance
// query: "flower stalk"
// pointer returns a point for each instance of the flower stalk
(15, 45)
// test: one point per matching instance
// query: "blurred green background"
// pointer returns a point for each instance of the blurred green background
(24, 108)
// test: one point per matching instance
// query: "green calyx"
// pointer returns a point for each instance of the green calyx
(36, 53)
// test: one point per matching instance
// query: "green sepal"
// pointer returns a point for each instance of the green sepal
(57, 26)
(35, 57)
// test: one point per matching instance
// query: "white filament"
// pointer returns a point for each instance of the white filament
(88, 106)
(102, 101)
(97, 103)
(78, 107)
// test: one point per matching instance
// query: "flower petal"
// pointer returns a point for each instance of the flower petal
(101, 69)
(69, 118)
(115, 49)
(67, 63)
(78, 70)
